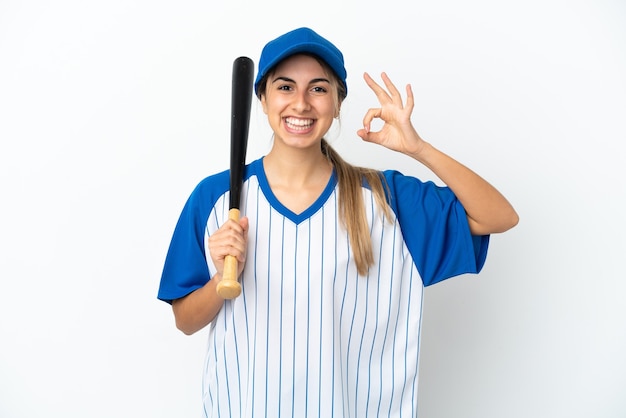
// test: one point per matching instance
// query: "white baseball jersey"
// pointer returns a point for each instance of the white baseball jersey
(308, 336)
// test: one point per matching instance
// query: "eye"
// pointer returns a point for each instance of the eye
(284, 87)
(319, 90)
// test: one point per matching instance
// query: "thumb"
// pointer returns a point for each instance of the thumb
(244, 222)
(368, 136)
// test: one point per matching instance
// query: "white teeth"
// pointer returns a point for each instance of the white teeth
(298, 123)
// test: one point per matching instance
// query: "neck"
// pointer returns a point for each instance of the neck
(297, 167)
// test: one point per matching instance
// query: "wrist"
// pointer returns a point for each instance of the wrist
(214, 282)
(420, 151)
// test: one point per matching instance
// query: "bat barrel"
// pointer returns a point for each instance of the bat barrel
(243, 73)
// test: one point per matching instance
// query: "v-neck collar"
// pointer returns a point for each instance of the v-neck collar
(282, 209)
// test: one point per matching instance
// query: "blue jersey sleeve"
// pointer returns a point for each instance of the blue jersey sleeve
(186, 268)
(435, 229)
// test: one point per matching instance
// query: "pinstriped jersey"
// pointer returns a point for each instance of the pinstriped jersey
(309, 336)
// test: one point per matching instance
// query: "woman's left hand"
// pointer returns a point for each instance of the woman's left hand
(397, 133)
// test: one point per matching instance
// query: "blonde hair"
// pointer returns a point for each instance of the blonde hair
(350, 180)
(352, 206)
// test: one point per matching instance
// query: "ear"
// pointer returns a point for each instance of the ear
(264, 103)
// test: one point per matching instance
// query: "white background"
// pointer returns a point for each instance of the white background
(112, 111)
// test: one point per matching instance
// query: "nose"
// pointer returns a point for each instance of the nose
(300, 101)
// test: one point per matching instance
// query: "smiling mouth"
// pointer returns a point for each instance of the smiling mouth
(298, 124)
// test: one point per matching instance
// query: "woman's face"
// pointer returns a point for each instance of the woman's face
(300, 101)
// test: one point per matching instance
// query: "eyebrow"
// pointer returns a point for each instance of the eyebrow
(289, 80)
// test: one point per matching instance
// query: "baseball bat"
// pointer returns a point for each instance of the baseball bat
(243, 71)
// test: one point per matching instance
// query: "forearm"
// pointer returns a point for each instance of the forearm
(487, 209)
(196, 310)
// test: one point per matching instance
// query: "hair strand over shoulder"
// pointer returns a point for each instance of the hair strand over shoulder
(352, 207)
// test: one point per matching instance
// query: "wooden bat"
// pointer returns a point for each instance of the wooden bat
(243, 72)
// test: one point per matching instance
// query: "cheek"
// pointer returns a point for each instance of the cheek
(331, 108)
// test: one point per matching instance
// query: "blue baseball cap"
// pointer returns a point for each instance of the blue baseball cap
(302, 40)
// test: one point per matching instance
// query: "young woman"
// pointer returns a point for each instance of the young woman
(333, 259)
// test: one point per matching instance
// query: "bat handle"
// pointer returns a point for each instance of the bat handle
(229, 287)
